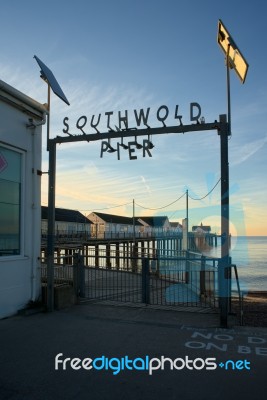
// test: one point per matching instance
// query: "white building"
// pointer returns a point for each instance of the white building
(21, 120)
(157, 225)
(67, 223)
(109, 225)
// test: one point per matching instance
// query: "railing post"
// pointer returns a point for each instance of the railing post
(230, 285)
(134, 256)
(145, 280)
(117, 256)
(75, 274)
(78, 275)
(202, 275)
(187, 267)
(81, 274)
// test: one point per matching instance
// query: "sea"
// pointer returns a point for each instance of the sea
(249, 253)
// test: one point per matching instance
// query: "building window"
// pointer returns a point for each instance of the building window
(10, 201)
(101, 228)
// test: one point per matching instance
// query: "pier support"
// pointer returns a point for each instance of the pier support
(97, 256)
(117, 255)
(108, 263)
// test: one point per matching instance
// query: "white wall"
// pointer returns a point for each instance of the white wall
(20, 274)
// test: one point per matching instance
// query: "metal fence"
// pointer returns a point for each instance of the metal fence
(189, 280)
(63, 271)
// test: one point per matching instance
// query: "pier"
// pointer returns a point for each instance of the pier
(154, 270)
(139, 246)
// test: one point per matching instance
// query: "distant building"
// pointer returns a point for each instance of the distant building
(110, 225)
(201, 228)
(21, 120)
(67, 223)
(155, 225)
(176, 227)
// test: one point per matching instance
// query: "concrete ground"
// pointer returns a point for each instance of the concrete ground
(30, 343)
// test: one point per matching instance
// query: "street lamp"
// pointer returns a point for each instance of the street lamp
(234, 60)
(48, 76)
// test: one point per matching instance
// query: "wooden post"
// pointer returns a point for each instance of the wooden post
(97, 255)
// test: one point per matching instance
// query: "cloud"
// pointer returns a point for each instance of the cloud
(90, 99)
(145, 184)
(243, 153)
(86, 98)
(92, 187)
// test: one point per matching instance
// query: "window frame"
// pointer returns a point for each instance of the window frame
(22, 202)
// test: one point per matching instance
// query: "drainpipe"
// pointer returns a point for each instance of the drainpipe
(36, 176)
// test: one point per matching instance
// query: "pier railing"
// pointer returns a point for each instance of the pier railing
(114, 235)
(240, 296)
(194, 238)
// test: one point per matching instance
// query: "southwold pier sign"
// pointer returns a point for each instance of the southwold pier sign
(118, 128)
(119, 123)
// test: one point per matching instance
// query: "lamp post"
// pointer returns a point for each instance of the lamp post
(236, 61)
(48, 76)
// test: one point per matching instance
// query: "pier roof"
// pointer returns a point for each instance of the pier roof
(66, 215)
(158, 221)
(176, 225)
(115, 219)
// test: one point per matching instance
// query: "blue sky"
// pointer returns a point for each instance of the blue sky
(114, 55)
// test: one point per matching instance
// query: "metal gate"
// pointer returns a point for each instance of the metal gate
(189, 281)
